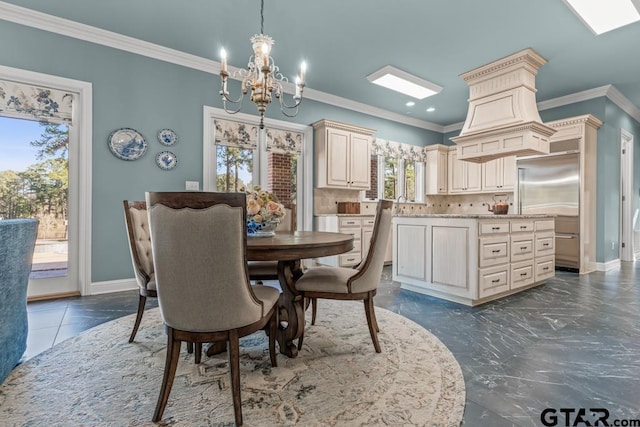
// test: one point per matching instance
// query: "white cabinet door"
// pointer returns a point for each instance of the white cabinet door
(337, 158)
(492, 175)
(509, 173)
(449, 259)
(359, 162)
(456, 173)
(436, 172)
(411, 241)
(463, 176)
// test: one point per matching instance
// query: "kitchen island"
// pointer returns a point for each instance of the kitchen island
(472, 259)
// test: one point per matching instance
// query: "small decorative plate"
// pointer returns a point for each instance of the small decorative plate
(127, 144)
(167, 137)
(166, 160)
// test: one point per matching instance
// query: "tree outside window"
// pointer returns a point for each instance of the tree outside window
(390, 178)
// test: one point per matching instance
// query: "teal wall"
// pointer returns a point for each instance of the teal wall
(148, 95)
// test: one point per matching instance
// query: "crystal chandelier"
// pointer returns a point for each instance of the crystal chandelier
(262, 77)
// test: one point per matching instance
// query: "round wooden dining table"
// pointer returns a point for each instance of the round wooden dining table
(288, 249)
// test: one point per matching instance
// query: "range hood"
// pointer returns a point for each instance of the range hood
(503, 118)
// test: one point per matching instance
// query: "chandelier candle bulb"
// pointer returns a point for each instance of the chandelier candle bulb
(303, 71)
(223, 57)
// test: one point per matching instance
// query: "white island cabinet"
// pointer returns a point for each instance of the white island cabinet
(472, 259)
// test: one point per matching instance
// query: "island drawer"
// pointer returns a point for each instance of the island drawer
(521, 274)
(545, 224)
(493, 280)
(545, 243)
(522, 226)
(494, 250)
(522, 247)
(494, 227)
(545, 268)
(368, 222)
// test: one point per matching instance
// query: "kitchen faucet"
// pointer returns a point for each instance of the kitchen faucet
(398, 200)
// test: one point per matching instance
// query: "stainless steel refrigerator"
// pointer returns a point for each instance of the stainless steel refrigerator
(551, 185)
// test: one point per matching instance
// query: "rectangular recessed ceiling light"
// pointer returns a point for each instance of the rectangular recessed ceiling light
(403, 82)
(602, 16)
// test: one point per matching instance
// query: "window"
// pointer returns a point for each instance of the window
(399, 171)
(246, 156)
(234, 171)
(390, 189)
(410, 180)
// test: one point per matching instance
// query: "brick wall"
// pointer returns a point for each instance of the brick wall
(373, 192)
(280, 177)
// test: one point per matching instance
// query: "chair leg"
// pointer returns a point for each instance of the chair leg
(171, 363)
(198, 355)
(314, 310)
(234, 368)
(373, 315)
(189, 347)
(141, 303)
(273, 331)
(300, 341)
(371, 321)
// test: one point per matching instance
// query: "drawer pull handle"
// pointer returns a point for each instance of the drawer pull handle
(495, 281)
(495, 251)
(351, 259)
(523, 248)
(523, 227)
(545, 244)
(495, 228)
(545, 268)
(523, 274)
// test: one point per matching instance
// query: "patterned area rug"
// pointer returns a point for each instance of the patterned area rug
(99, 379)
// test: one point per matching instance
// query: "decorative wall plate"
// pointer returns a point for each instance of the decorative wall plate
(127, 144)
(167, 137)
(166, 160)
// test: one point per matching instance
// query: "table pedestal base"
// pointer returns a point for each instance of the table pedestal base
(290, 308)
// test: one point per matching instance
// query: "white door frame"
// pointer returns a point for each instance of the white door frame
(80, 145)
(626, 196)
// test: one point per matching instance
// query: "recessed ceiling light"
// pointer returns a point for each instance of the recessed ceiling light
(403, 82)
(431, 109)
(603, 16)
(410, 104)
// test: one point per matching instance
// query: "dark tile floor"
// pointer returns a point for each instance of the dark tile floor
(572, 343)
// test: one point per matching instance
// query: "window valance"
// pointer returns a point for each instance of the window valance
(398, 150)
(24, 101)
(283, 141)
(236, 134)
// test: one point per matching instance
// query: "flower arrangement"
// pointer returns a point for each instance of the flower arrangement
(264, 212)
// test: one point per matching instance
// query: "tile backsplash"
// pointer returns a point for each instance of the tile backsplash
(326, 202)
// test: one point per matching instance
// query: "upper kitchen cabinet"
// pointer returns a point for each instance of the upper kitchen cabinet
(343, 154)
(436, 169)
(499, 174)
(464, 177)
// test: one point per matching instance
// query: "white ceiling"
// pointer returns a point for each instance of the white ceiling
(345, 40)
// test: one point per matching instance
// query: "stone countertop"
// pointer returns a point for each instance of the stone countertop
(476, 216)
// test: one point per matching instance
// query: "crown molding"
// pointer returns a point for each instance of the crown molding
(42, 21)
(88, 33)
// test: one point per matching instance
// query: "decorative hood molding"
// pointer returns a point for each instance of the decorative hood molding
(503, 119)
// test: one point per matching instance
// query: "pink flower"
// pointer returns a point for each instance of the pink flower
(253, 207)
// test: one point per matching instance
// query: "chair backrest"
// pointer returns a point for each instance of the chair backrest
(289, 223)
(199, 245)
(370, 268)
(137, 222)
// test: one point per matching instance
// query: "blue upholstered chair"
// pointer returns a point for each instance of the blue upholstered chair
(17, 241)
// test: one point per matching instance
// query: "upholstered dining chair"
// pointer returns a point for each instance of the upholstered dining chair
(359, 283)
(268, 270)
(137, 224)
(199, 252)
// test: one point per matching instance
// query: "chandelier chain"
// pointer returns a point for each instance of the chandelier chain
(261, 16)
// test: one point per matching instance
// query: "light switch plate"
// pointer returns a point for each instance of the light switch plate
(192, 185)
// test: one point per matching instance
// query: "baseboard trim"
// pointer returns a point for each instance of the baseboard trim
(609, 265)
(113, 286)
(53, 296)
